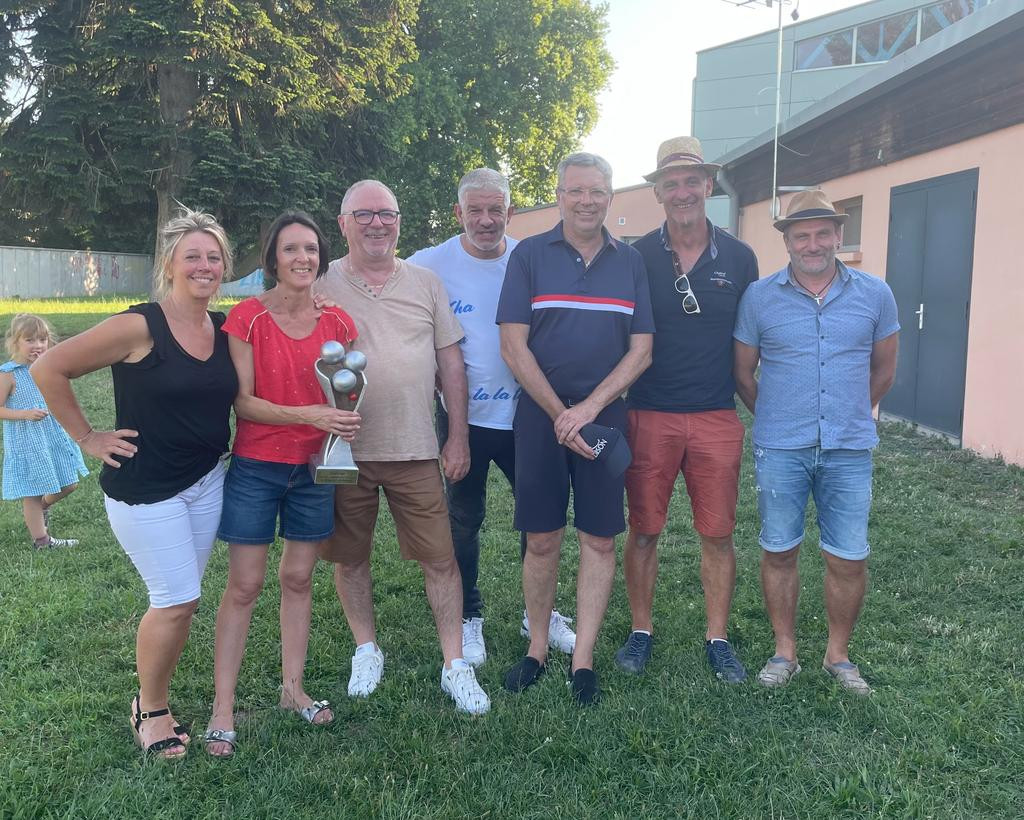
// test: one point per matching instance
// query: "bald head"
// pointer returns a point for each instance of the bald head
(364, 185)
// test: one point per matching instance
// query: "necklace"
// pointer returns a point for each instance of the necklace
(817, 295)
(374, 289)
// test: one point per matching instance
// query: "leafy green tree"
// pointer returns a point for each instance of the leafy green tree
(220, 104)
(249, 107)
(511, 84)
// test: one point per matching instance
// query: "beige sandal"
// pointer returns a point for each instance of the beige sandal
(778, 672)
(847, 675)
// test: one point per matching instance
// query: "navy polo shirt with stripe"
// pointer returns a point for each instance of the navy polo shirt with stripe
(581, 318)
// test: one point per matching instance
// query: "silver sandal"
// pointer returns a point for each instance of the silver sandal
(309, 713)
(219, 736)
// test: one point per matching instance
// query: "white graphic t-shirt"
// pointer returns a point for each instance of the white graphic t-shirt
(473, 287)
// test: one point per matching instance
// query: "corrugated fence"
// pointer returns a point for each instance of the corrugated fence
(32, 273)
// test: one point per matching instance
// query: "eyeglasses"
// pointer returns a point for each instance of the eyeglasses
(386, 217)
(690, 304)
(596, 194)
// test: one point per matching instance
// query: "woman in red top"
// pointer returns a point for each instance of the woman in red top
(274, 340)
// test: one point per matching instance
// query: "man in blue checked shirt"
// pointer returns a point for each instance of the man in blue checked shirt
(826, 336)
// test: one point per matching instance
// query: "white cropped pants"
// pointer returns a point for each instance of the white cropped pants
(170, 541)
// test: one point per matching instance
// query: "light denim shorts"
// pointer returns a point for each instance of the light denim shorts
(840, 482)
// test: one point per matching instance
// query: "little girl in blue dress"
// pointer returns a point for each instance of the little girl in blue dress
(42, 464)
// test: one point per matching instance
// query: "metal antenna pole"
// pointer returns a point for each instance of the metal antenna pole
(778, 111)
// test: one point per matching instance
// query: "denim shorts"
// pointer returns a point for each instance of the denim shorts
(839, 480)
(257, 493)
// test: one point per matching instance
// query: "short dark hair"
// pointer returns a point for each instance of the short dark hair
(269, 253)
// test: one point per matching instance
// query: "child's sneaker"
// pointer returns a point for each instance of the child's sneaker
(54, 543)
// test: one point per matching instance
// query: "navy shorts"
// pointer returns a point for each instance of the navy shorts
(258, 493)
(545, 470)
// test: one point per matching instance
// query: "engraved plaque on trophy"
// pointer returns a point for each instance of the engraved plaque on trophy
(342, 378)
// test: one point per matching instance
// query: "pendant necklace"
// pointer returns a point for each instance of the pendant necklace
(817, 295)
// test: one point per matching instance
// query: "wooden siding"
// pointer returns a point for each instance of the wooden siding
(965, 97)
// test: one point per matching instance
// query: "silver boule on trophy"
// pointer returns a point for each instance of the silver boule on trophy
(342, 377)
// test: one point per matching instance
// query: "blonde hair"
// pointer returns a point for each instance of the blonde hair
(27, 326)
(188, 221)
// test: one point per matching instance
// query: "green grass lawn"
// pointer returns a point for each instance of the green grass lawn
(939, 640)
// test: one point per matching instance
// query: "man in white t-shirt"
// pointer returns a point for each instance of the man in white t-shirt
(472, 268)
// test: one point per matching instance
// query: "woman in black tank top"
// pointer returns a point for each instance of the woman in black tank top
(174, 385)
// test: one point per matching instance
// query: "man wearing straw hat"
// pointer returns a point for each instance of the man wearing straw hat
(682, 410)
(826, 336)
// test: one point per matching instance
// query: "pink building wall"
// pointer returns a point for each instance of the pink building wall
(636, 205)
(993, 420)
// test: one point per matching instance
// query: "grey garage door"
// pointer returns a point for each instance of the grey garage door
(929, 265)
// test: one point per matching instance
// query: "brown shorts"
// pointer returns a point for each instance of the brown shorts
(416, 499)
(705, 447)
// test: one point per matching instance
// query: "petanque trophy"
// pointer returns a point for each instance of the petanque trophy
(342, 378)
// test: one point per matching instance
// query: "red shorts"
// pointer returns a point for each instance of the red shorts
(705, 447)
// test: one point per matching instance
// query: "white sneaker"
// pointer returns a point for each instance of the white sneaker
(560, 636)
(366, 671)
(460, 683)
(473, 650)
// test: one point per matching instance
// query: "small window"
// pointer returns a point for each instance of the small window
(825, 51)
(884, 39)
(851, 230)
(936, 17)
(622, 220)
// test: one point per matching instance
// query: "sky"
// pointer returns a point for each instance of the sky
(654, 44)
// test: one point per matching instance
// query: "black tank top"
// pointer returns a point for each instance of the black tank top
(180, 406)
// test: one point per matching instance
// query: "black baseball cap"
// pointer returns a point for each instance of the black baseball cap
(609, 447)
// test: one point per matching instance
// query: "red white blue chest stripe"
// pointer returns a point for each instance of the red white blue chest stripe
(575, 301)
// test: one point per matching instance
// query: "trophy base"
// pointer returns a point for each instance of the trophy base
(332, 473)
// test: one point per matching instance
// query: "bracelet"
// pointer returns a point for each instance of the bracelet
(84, 437)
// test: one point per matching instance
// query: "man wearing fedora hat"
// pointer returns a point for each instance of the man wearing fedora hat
(682, 410)
(826, 336)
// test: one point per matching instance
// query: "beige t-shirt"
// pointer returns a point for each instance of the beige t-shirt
(400, 331)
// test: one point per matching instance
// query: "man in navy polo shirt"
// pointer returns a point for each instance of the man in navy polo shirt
(576, 325)
(682, 410)
(826, 336)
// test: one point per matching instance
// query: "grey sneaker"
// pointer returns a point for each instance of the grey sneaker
(635, 652)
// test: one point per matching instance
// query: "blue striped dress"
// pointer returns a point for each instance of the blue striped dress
(39, 457)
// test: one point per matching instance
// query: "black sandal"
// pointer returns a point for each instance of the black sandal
(159, 746)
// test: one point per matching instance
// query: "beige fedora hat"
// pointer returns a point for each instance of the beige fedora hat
(681, 152)
(811, 204)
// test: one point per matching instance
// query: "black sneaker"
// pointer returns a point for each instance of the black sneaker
(723, 660)
(584, 687)
(525, 673)
(633, 655)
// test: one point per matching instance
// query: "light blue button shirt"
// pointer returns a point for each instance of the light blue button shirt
(814, 387)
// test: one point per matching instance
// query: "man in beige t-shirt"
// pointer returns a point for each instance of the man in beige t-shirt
(408, 333)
